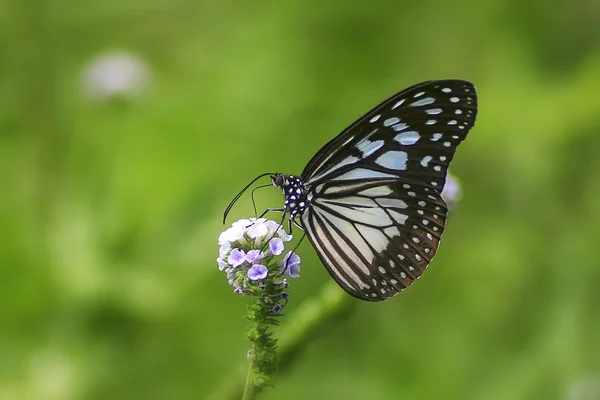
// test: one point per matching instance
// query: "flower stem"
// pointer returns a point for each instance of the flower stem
(262, 356)
(249, 388)
(312, 315)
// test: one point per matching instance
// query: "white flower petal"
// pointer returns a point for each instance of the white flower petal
(231, 235)
(225, 248)
(242, 223)
(284, 235)
(222, 263)
(258, 230)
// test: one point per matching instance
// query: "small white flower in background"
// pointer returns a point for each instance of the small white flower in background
(587, 387)
(248, 252)
(452, 191)
(115, 74)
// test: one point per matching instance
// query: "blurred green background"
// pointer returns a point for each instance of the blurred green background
(127, 126)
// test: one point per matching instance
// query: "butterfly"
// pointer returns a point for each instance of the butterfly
(370, 200)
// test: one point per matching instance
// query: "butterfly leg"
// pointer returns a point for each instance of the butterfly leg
(293, 221)
(268, 210)
(278, 227)
(295, 248)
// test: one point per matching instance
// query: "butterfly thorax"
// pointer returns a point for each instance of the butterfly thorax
(294, 193)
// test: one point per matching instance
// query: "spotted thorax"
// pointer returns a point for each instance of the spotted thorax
(294, 193)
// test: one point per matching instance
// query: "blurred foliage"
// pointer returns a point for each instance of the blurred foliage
(110, 208)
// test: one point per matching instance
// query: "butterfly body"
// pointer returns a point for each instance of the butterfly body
(370, 200)
(294, 192)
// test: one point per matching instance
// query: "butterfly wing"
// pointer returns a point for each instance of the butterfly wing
(375, 237)
(413, 134)
(376, 214)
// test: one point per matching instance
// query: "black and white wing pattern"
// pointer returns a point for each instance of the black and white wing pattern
(370, 200)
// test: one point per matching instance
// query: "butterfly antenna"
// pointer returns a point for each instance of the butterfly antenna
(241, 193)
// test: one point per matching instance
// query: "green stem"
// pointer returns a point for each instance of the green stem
(263, 359)
(249, 388)
(312, 315)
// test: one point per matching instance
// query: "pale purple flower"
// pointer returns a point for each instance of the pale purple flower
(224, 248)
(452, 191)
(236, 258)
(222, 263)
(257, 272)
(291, 263)
(254, 256)
(276, 246)
(242, 257)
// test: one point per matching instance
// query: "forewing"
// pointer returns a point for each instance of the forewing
(375, 237)
(413, 134)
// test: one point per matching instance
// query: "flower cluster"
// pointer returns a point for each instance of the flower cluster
(248, 254)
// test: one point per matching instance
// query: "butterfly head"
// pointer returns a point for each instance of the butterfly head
(293, 191)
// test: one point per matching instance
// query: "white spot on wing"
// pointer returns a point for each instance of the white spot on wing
(346, 161)
(435, 137)
(362, 173)
(398, 217)
(393, 160)
(377, 191)
(375, 237)
(423, 102)
(398, 104)
(425, 160)
(391, 232)
(399, 126)
(407, 138)
(391, 121)
(387, 202)
(367, 147)
(350, 201)
(371, 216)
